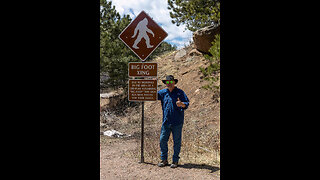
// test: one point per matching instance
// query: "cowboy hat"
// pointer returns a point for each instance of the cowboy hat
(168, 78)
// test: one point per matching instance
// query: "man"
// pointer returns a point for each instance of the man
(173, 101)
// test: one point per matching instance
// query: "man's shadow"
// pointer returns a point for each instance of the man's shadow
(200, 166)
(195, 166)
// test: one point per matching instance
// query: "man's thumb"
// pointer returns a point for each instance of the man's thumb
(178, 99)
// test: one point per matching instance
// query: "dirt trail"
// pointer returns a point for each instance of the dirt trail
(119, 158)
(116, 164)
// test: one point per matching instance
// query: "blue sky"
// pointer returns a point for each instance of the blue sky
(157, 9)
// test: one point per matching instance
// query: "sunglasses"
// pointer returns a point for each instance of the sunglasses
(167, 82)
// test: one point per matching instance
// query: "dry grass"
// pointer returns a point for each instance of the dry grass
(200, 143)
(198, 146)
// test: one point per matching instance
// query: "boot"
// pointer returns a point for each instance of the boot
(163, 163)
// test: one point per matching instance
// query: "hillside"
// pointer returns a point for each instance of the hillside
(200, 152)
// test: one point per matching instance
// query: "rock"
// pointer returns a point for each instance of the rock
(189, 59)
(180, 54)
(204, 36)
(108, 95)
(194, 52)
(103, 125)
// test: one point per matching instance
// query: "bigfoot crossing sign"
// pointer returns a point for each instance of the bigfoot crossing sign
(143, 35)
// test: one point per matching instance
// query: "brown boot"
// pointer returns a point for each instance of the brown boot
(163, 163)
(174, 165)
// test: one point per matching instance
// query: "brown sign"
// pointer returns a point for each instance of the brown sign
(142, 90)
(142, 69)
(143, 35)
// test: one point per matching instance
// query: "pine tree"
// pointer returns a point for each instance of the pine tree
(194, 13)
(114, 55)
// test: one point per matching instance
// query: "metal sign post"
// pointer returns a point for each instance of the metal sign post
(142, 132)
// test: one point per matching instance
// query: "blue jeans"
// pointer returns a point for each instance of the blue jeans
(166, 129)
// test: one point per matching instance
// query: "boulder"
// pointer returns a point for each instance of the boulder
(180, 54)
(203, 37)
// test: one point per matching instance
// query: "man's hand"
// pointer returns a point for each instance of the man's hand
(180, 104)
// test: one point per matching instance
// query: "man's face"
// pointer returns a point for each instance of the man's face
(170, 84)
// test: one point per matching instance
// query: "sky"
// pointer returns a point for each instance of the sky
(156, 9)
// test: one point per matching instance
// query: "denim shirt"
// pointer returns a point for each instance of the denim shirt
(172, 114)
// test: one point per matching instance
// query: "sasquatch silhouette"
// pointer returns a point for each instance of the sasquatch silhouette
(143, 29)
